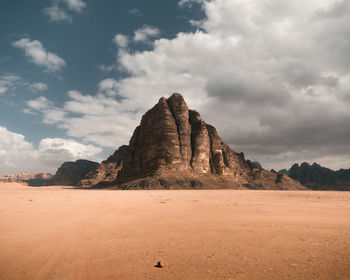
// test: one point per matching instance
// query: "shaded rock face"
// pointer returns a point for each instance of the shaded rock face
(316, 176)
(306, 173)
(107, 171)
(174, 148)
(200, 144)
(31, 178)
(71, 173)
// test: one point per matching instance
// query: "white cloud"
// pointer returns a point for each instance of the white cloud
(121, 40)
(146, 32)
(75, 5)
(19, 155)
(38, 104)
(182, 3)
(272, 76)
(135, 12)
(108, 86)
(40, 56)
(106, 68)
(58, 12)
(74, 149)
(98, 119)
(55, 14)
(12, 82)
(9, 81)
(36, 87)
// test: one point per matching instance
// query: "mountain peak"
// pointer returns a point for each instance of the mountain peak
(174, 148)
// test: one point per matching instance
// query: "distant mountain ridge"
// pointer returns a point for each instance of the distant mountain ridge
(316, 176)
(31, 178)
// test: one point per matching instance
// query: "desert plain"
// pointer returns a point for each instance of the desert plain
(66, 233)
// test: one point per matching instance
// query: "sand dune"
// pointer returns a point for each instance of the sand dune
(62, 233)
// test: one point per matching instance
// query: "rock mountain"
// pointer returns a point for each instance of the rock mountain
(71, 173)
(174, 148)
(317, 177)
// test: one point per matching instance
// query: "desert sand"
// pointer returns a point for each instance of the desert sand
(65, 233)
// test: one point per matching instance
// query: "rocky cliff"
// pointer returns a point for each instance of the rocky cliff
(174, 148)
(107, 171)
(71, 173)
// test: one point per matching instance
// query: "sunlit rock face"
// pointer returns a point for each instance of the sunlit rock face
(172, 138)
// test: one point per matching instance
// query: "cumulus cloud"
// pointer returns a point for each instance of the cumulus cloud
(272, 76)
(121, 41)
(75, 5)
(38, 104)
(96, 118)
(36, 87)
(40, 56)
(58, 10)
(19, 155)
(106, 68)
(55, 14)
(108, 86)
(135, 12)
(13, 81)
(146, 32)
(8, 81)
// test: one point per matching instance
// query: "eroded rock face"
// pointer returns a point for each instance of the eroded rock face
(155, 145)
(173, 147)
(200, 144)
(71, 173)
(107, 171)
(172, 138)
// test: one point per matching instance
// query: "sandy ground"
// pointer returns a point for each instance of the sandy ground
(60, 233)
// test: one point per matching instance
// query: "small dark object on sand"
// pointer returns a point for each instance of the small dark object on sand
(158, 265)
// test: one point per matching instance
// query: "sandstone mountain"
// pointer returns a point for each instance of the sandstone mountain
(174, 148)
(31, 178)
(71, 173)
(318, 177)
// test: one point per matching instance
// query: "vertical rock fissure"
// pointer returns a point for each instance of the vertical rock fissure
(137, 131)
(177, 127)
(212, 168)
(192, 141)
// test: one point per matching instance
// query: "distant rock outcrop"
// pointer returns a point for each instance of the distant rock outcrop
(107, 171)
(71, 173)
(316, 176)
(283, 171)
(31, 178)
(174, 148)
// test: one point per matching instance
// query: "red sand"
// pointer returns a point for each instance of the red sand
(58, 233)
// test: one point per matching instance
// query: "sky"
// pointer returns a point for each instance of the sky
(76, 76)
